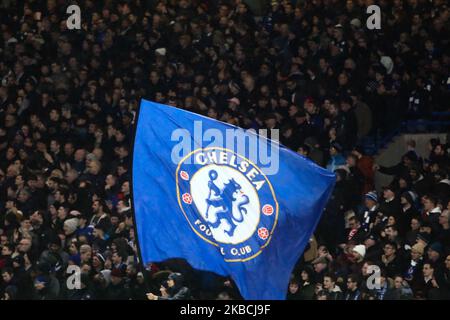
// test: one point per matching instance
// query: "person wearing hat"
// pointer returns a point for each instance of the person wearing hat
(173, 289)
(434, 253)
(69, 227)
(98, 262)
(413, 267)
(56, 258)
(116, 290)
(46, 285)
(407, 201)
(233, 103)
(373, 247)
(370, 209)
(359, 252)
(390, 205)
(320, 266)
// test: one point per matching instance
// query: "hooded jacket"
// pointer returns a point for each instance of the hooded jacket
(178, 291)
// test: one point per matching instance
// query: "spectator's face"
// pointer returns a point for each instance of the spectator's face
(23, 197)
(10, 154)
(123, 152)
(73, 249)
(391, 221)
(6, 251)
(369, 242)
(433, 255)
(398, 282)
(19, 181)
(3, 240)
(94, 167)
(249, 82)
(293, 288)
(126, 187)
(351, 162)
(6, 277)
(292, 110)
(353, 224)
(26, 224)
(116, 258)
(438, 150)
(318, 267)
(403, 201)
(86, 269)
(332, 110)
(86, 254)
(388, 194)
(154, 77)
(96, 207)
(369, 203)
(71, 176)
(54, 146)
(110, 180)
(427, 270)
(302, 151)
(351, 285)
(304, 275)
(447, 262)
(328, 283)
(96, 262)
(212, 113)
(389, 250)
(114, 221)
(415, 225)
(80, 154)
(365, 269)
(120, 170)
(428, 205)
(24, 245)
(271, 123)
(68, 149)
(415, 255)
(443, 217)
(120, 137)
(342, 79)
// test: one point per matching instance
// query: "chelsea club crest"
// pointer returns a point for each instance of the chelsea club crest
(228, 201)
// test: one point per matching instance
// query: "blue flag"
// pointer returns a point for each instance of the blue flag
(226, 199)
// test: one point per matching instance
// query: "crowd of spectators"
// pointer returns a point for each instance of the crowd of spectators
(68, 100)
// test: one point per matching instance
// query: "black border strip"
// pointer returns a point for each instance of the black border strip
(136, 233)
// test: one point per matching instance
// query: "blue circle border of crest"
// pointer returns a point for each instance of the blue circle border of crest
(247, 249)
